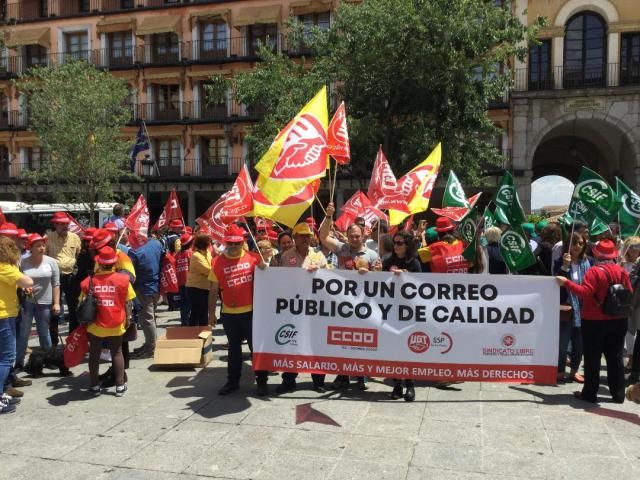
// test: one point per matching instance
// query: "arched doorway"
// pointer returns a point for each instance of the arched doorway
(551, 194)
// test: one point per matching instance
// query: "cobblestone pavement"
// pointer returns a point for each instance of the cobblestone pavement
(173, 425)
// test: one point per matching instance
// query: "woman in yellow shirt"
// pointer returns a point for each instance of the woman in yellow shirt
(198, 281)
(10, 279)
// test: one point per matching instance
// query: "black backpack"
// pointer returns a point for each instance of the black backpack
(618, 302)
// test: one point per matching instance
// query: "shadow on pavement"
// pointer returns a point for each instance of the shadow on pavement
(74, 389)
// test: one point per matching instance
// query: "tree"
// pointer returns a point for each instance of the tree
(412, 73)
(78, 113)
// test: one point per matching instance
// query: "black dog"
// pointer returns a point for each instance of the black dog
(41, 358)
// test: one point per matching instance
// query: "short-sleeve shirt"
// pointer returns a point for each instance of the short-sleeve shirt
(291, 258)
(45, 277)
(9, 276)
(64, 249)
(347, 256)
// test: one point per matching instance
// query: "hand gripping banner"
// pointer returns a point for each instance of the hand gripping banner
(440, 327)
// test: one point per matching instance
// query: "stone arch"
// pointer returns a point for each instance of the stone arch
(624, 129)
(604, 7)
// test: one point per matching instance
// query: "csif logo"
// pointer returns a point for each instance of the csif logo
(631, 205)
(596, 191)
(287, 334)
(468, 229)
(455, 190)
(513, 241)
(505, 195)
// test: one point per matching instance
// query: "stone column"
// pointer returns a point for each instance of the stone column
(523, 187)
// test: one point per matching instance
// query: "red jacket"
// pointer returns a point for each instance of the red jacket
(595, 286)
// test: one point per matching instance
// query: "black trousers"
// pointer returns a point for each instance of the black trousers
(199, 298)
(635, 361)
(238, 327)
(603, 337)
(70, 286)
(290, 377)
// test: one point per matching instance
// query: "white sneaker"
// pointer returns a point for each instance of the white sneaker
(9, 400)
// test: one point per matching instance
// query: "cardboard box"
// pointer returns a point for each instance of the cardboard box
(184, 346)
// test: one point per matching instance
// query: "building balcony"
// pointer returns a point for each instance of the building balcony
(196, 167)
(14, 120)
(562, 78)
(114, 58)
(161, 112)
(204, 112)
(171, 54)
(232, 49)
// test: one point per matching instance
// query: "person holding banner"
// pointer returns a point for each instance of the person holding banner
(403, 259)
(601, 333)
(302, 256)
(574, 266)
(232, 277)
(353, 255)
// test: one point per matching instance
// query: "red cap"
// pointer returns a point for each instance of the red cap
(101, 238)
(60, 217)
(111, 227)
(233, 234)
(188, 229)
(605, 250)
(9, 230)
(444, 224)
(88, 234)
(185, 239)
(106, 256)
(33, 238)
(22, 233)
(176, 224)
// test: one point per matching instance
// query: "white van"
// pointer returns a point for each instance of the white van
(36, 217)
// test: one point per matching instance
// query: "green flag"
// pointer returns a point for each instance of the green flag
(507, 203)
(579, 211)
(515, 249)
(489, 219)
(453, 193)
(629, 213)
(470, 253)
(597, 195)
(597, 227)
(467, 227)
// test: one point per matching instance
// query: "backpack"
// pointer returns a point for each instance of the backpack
(618, 302)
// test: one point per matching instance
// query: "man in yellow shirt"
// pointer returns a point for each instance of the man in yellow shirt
(64, 246)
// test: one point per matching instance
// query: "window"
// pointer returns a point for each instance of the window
(127, 4)
(120, 48)
(167, 105)
(630, 59)
(165, 48)
(169, 156)
(216, 148)
(4, 111)
(261, 35)
(35, 55)
(34, 156)
(77, 45)
(4, 161)
(84, 6)
(585, 51)
(213, 40)
(320, 20)
(540, 66)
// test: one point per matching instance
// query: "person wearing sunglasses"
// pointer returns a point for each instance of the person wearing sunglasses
(403, 259)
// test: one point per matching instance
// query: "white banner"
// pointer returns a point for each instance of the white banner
(499, 328)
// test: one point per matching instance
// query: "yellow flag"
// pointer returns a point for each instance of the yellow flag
(417, 185)
(289, 211)
(298, 155)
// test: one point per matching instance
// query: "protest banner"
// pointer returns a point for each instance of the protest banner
(424, 326)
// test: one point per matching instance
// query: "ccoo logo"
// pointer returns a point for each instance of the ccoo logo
(513, 242)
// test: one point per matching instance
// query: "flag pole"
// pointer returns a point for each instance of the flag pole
(335, 177)
(255, 242)
(319, 203)
(155, 164)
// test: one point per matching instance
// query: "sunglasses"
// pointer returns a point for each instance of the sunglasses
(399, 243)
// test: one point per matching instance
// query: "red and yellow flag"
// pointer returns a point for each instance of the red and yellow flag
(417, 185)
(289, 211)
(298, 155)
(338, 136)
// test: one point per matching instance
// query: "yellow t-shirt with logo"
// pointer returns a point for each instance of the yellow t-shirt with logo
(9, 275)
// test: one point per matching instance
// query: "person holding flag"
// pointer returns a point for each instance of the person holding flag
(232, 277)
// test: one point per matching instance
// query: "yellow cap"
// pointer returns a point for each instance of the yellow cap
(302, 228)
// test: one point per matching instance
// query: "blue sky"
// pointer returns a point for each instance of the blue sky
(550, 190)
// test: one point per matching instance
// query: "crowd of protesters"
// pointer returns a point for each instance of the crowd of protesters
(38, 272)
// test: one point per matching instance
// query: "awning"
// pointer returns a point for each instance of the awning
(167, 78)
(210, 15)
(37, 36)
(301, 7)
(205, 74)
(119, 24)
(252, 15)
(163, 24)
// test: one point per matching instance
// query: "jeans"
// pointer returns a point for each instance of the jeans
(603, 337)
(7, 348)
(42, 314)
(199, 298)
(185, 306)
(569, 333)
(70, 286)
(238, 327)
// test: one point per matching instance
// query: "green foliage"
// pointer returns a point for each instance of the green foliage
(535, 218)
(412, 73)
(78, 113)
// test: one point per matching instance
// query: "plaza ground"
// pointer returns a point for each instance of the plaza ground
(173, 425)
